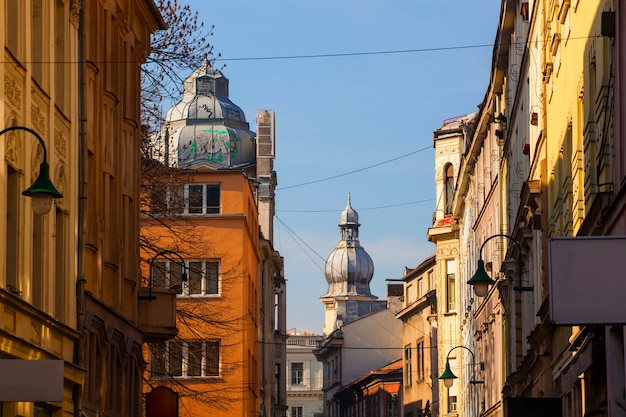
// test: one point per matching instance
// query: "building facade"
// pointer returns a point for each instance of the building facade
(449, 140)
(377, 394)
(361, 333)
(69, 292)
(420, 394)
(208, 235)
(305, 374)
(541, 164)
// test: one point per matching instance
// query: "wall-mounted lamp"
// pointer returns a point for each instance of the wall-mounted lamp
(42, 191)
(183, 277)
(448, 376)
(481, 280)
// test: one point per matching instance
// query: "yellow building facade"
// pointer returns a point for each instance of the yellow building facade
(538, 162)
(69, 288)
(420, 395)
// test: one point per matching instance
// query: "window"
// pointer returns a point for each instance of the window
(297, 370)
(392, 405)
(203, 277)
(203, 199)
(189, 359)
(451, 403)
(449, 187)
(409, 294)
(297, 411)
(408, 367)
(192, 199)
(431, 280)
(420, 288)
(419, 356)
(450, 285)
(12, 219)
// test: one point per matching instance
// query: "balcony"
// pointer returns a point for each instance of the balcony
(157, 313)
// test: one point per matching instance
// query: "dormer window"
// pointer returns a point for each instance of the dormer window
(205, 86)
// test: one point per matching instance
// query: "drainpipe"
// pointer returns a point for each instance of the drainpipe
(82, 206)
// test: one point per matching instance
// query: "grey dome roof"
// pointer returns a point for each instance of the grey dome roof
(207, 107)
(207, 129)
(349, 268)
(206, 97)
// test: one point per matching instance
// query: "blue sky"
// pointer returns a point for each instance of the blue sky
(365, 119)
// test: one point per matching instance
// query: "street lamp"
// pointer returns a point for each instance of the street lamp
(448, 376)
(42, 191)
(183, 277)
(481, 280)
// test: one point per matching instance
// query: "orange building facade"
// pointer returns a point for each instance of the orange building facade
(214, 353)
(207, 236)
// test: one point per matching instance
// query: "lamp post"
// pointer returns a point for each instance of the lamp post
(42, 191)
(448, 376)
(481, 280)
(183, 277)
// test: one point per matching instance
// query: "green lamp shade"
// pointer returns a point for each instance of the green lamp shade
(448, 377)
(481, 280)
(42, 191)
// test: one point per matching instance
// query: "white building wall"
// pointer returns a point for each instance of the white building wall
(307, 393)
(370, 342)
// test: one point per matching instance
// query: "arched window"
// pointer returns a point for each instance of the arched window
(449, 187)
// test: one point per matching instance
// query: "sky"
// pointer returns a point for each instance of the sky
(358, 87)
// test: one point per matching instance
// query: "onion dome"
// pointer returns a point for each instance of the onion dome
(205, 127)
(349, 268)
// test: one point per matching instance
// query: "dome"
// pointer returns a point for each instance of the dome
(205, 127)
(217, 145)
(205, 96)
(207, 108)
(349, 268)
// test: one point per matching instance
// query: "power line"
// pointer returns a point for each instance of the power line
(359, 208)
(388, 52)
(298, 239)
(355, 171)
(348, 54)
(308, 56)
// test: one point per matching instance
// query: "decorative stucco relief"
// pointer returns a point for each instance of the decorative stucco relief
(12, 149)
(12, 92)
(75, 13)
(447, 150)
(60, 143)
(37, 159)
(60, 181)
(447, 251)
(38, 118)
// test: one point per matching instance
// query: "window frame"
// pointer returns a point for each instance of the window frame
(176, 361)
(210, 285)
(184, 200)
(420, 359)
(211, 199)
(452, 404)
(296, 411)
(295, 374)
(408, 365)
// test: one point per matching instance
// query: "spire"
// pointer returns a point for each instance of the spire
(349, 269)
(349, 223)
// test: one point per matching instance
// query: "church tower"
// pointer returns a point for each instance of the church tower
(349, 270)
